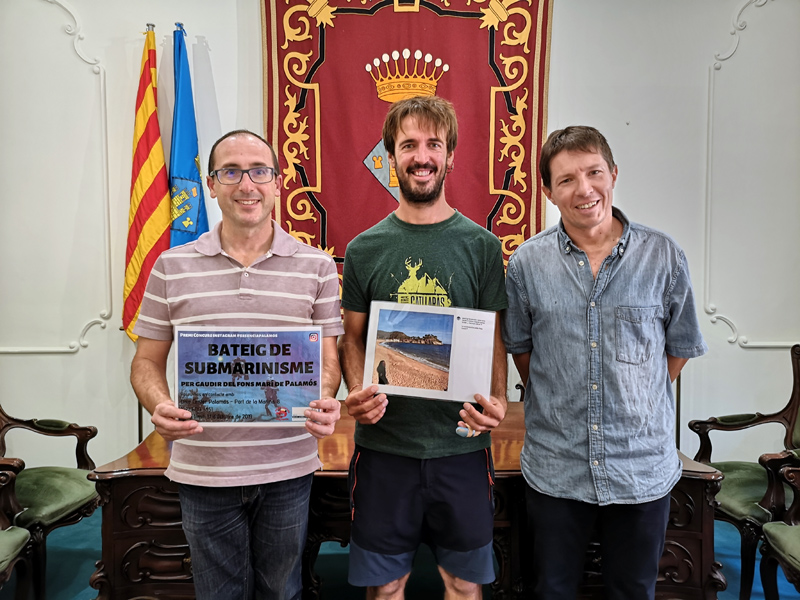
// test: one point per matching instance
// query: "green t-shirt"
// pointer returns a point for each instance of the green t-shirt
(453, 263)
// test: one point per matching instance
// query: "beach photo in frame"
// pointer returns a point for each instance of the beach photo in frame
(247, 376)
(429, 351)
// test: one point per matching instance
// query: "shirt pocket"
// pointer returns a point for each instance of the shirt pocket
(637, 332)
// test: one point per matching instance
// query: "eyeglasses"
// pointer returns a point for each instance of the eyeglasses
(229, 176)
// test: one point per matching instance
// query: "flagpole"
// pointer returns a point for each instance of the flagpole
(150, 27)
(149, 215)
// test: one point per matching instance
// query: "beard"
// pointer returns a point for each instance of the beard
(420, 195)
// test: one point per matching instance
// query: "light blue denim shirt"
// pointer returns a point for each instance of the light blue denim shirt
(599, 408)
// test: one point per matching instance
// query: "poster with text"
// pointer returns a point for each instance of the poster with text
(248, 376)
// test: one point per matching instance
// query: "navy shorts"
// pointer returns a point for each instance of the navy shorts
(399, 502)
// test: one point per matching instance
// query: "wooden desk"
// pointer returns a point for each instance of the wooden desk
(145, 552)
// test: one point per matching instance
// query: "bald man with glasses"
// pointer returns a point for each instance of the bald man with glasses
(244, 491)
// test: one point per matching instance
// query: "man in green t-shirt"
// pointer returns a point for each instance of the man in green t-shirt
(413, 479)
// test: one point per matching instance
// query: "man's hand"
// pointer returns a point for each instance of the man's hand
(174, 423)
(494, 411)
(366, 406)
(322, 417)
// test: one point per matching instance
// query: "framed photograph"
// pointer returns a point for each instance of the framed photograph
(247, 376)
(429, 351)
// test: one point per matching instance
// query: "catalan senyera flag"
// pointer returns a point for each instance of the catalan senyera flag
(189, 218)
(149, 218)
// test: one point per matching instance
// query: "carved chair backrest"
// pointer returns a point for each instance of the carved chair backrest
(6, 424)
(51, 427)
(792, 410)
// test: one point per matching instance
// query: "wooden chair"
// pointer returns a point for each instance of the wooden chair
(744, 499)
(781, 544)
(15, 547)
(49, 497)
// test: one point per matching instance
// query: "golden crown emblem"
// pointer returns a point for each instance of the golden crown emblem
(402, 81)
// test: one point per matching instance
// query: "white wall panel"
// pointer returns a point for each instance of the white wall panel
(52, 229)
(641, 71)
(754, 148)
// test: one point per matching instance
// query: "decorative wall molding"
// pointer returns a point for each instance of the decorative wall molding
(105, 313)
(738, 24)
(710, 307)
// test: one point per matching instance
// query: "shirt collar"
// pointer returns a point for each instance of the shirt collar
(210, 244)
(283, 244)
(566, 244)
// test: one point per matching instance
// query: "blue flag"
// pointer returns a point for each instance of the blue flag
(189, 218)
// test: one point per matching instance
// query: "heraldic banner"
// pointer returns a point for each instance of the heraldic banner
(333, 67)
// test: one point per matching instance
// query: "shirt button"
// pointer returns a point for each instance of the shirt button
(591, 304)
(594, 386)
(580, 262)
(594, 427)
(595, 463)
(247, 274)
(567, 248)
(594, 344)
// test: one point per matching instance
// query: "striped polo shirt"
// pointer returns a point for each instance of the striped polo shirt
(199, 284)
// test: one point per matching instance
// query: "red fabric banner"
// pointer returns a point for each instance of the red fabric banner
(331, 70)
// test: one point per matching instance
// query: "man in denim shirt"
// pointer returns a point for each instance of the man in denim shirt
(601, 319)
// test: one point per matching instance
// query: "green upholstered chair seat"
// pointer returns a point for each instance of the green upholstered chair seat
(12, 541)
(744, 485)
(50, 493)
(786, 540)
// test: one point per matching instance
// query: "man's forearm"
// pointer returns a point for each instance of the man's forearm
(351, 355)
(675, 365)
(331, 378)
(149, 383)
(331, 373)
(499, 365)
